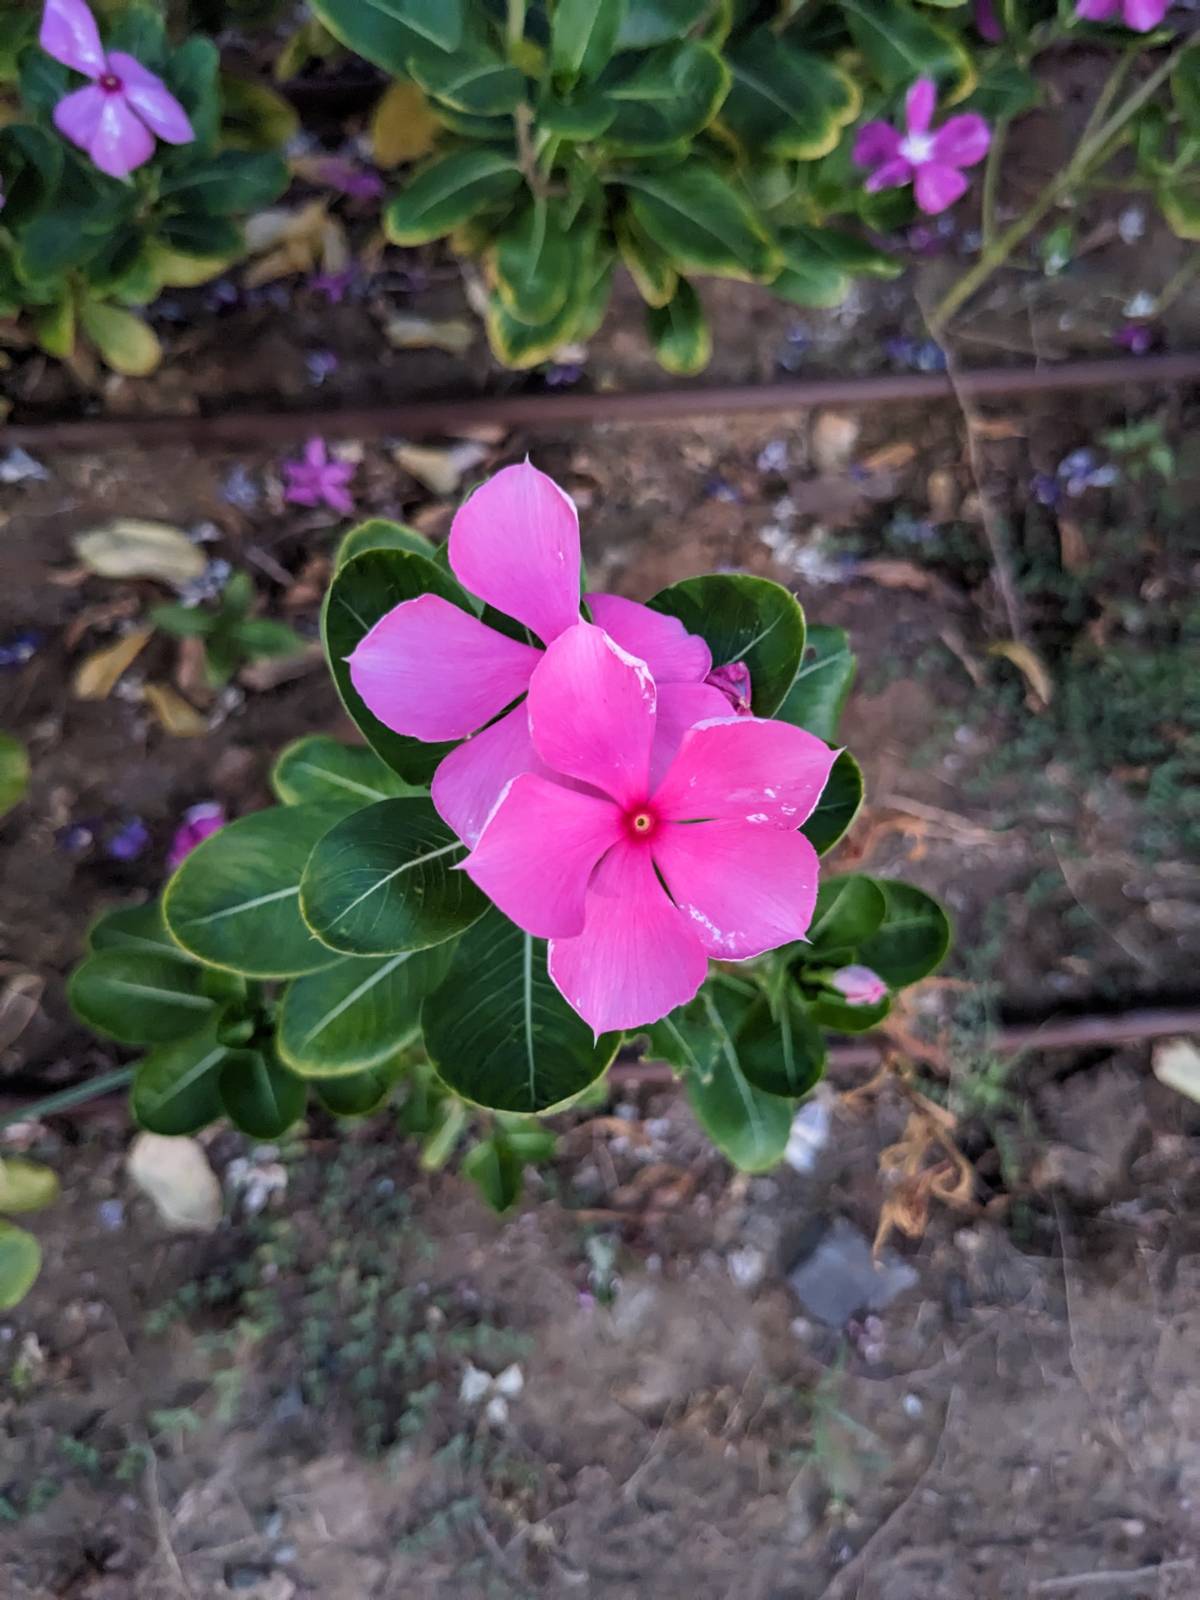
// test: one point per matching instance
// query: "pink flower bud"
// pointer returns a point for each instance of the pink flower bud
(199, 822)
(859, 986)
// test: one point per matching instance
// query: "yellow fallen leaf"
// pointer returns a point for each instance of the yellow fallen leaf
(176, 1175)
(131, 547)
(98, 674)
(406, 332)
(403, 128)
(1176, 1062)
(1031, 667)
(174, 714)
(441, 471)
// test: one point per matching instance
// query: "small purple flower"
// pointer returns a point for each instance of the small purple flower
(333, 285)
(199, 822)
(987, 24)
(721, 489)
(733, 680)
(1136, 337)
(76, 838)
(117, 117)
(563, 374)
(21, 647)
(129, 841)
(930, 161)
(317, 480)
(1047, 490)
(320, 364)
(241, 488)
(359, 183)
(1140, 15)
(859, 986)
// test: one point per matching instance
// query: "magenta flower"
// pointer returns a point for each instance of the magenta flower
(198, 823)
(117, 117)
(987, 24)
(432, 671)
(636, 878)
(733, 680)
(859, 986)
(318, 481)
(930, 161)
(1140, 15)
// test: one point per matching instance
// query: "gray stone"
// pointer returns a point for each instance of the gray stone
(839, 1277)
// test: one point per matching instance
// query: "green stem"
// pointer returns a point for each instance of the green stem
(515, 29)
(1176, 283)
(65, 1098)
(991, 180)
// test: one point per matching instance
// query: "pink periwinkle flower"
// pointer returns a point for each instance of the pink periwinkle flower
(1140, 15)
(318, 480)
(987, 24)
(733, 680)
(637, 877)
(116, 118)
(859, 986)
(199, 822)
(929, 160)
(432, 671)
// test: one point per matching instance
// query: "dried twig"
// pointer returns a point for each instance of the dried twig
(1105, 1576)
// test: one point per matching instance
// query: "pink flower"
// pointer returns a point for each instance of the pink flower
(929, 161)
(198, 823)
(115, 119)
(432, 671)
(733, 680)
(1140, 15)
(859, 986)
(987, 24)
(637, 878)
(317, 480)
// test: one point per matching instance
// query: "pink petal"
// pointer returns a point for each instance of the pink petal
(938, 187)
(591, 713)
(733, 680)
(468, 783)
(962, 141)
(672, 653)
(121, 142)
(987, 23)
(1142, 15)
(891, 175)
(637, 957)
(337, 499)
(315, 453)
(680, 707)
(746, 888)
(919, 105)
(77, 116)
(432, 671)
(1097, 10)
(152, 100)
(538, 851)
(515, 544)
(69, 34)
(877, 142)
(745, 768)
(859, 986)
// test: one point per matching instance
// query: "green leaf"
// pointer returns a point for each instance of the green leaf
(383, 880)
(849, 909)
(900, 45)
(255, 117)
(235, 901)
(498, 1031)
(1185, 89)
(680, 333)
(140, 998)
(831, 1010)
(521, 345)
(365, 588)
(259, 1094)
(264, 636)
(742, 618)
(228, 183)
(182, 622)
(317, 767)
(583, 37)
(14, 772)
(175, 1087)
(55, 327)
(846, 251)
(785, 101)
(650, 22)
(191, 74)
(703, 223)
(482, 84)
(838, 806)
(20, 1263)
(779, 1047)
(648, 263)
(1005, 89)
(440, 22)
(440, 1142)
(358, 1013)
(26, 1186)
(125, 343)
(662, 98)
(821, 685)
(379, 534)
(448, 192)
(1180, 203)
(496, 1170)
(748, 1126)
(357, 1094)
(389, 32)
(913, 939)
(201, 238)
(32, 161)
(810, 282)
(531, 262)
(135, 928)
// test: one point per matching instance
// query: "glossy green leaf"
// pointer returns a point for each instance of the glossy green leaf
(648, 263)
(124, 341)
(379, 534)
(175, 1087)
(786, 101)
(810, 282)
(1005, 89)
(531, 262)
(442, 1139)
(358, 1013)
(845, 251)
(900, 45)
(742, 618)
(913, 938)
(20, 1263)
(680, 333)
(32, 162)
(647, 23)
(318, 767)
(364, 588)
(583, 36)
(779, 1046)
(229, 182)
(357, 1094)
(822, 683)
(235, 901)
(1180, 203)
(481, 83)
(140, 998)
(14, 772)
(259, 1094)
(26, 1186)
(135, 928)
(838, 806)
(830, 1010)
(662, 98)
(496, 1170)
(1185, 89)
(702, 222)
(448, 192)
(849, 909)
(390, 32)
(383, 880)
(748, 1126)
(498, 1031)
(521, 345)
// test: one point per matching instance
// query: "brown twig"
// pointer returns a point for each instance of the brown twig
(1105, 1576)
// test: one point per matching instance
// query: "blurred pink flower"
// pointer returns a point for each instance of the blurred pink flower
(930, 161)
(1140, 15)
(987, 24)
(733, 680)
(198, 823)
(859, 986)
(116, 118)
(318, 481)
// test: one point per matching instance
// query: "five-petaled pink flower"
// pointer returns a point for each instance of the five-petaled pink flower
(116, 117)
(199, 823)
(637, 878)
(859, 986)
(318, 481)
(930, 161)
(432, 671)
(1140, 15)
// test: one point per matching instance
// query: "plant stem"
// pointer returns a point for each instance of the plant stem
(1176, 283)
(81, 1092)
(991, 180)
(515, 29)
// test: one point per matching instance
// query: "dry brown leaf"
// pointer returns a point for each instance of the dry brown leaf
(1176, 1062)
(440, 470)
(889, 457)
(176, 1175)
(834, 436)
(270, 671)
(419, 333)
(99, 616)
(292, 239)
(892, 573)
(996, 428)
(958, 648)
(1031, 667)
(403, 128)
(1072, 545)
(941, 489)
(99, 673)
(173, 713)
(191, 671)
(19, 1001)
(130, 547)
(308, 588)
